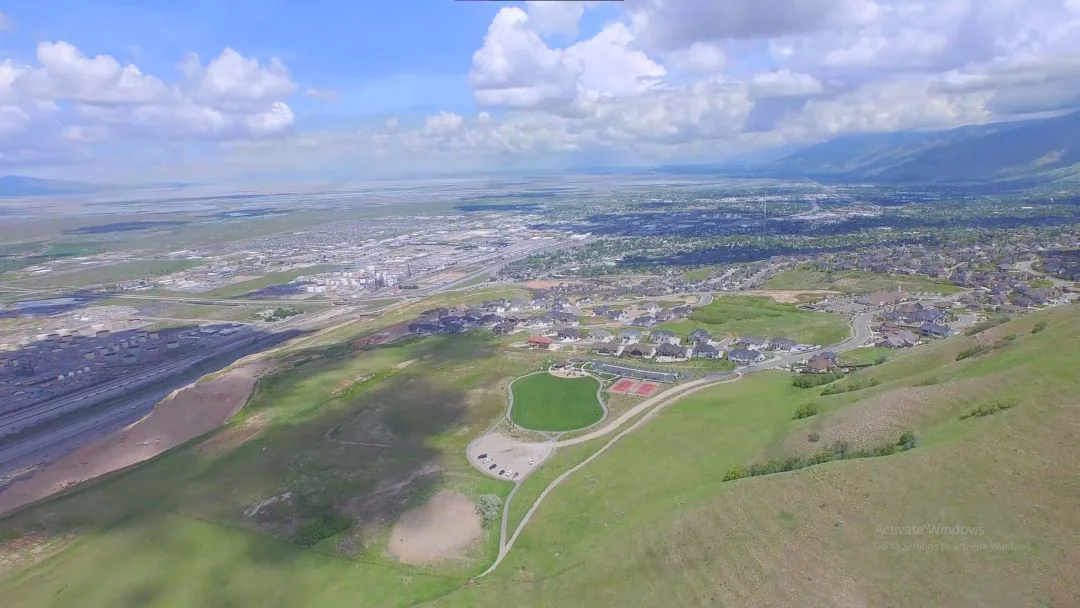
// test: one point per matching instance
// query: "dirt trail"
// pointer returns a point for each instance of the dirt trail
(187, 413)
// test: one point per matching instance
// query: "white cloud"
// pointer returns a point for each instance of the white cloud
(700, 57)
(5, 23)
(674, 24)
(69, 99)
(232, 81)
(555, 18)
(515, 68)
(611, 67)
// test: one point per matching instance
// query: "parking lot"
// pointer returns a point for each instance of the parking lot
(494, 454)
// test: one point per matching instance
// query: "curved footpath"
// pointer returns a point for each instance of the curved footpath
(861, 334)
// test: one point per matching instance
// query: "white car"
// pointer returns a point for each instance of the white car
(532, 461)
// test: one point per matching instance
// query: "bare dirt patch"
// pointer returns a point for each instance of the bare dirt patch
(542, 284)
(784, 296)
(232, 437)
(31, 548)
(182, 416)
(442, 529)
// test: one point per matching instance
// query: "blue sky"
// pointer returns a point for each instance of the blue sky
(110, 89)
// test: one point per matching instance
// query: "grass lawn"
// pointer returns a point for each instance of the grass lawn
(698, 274)
(543, 402)
(274, 278)
(856, 281)
(756, 316)
(107, 273)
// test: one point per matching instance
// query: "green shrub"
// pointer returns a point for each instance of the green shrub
(974, 351)
(813, 380)
(908, 441)
(992, 408)
(321, 528)
(880, 359)
(857, 385)
(841, 450)
(488, 507)
(805, 410)
(928, 381)
(813, 437)
(1041, 325)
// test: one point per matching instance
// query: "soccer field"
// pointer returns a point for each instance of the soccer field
(543, 402)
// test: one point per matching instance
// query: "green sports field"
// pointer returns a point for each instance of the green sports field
(543, 402)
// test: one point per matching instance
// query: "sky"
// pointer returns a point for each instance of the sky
(130, 91)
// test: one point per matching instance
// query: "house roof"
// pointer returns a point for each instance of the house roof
(539, 340)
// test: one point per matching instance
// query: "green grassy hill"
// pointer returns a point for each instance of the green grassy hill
(651, 522)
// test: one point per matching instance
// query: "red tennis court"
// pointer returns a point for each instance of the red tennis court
(646, 389)
(622, 386)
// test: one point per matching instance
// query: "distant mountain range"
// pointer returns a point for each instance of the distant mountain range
(15, 186)
(1019, 154)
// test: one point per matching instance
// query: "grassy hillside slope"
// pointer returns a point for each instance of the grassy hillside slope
(651, 522)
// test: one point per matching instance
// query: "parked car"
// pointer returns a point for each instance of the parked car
(482, 456)
(492, 467)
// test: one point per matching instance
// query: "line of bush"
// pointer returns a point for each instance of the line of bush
(813, 380)
(841, 450)
(992, 408)
(982, 326)
(982, 349)
(806, 410)
(1041, 325)
(857, 385)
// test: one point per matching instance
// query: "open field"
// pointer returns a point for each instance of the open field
(543, 402)
(855, 281)
(649, 523)
(698, 274)
(757, 316)
(106, 273)
(274, 278)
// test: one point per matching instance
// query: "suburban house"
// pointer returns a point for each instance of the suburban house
(569, 334)
(566, 318)
(883, 298)
(503, 329)
(783, 344)
(600, 335)
(700, 335)
(645, 321)
(490, 320)
(540, 342)
(753, 343)
(671, 351)
(707, 351)
(517, 305)
(744, 355)
(898, 339)
(645, 351)
(934, 330)
(651, 308)
(821, 364)
(609, 350)
(664, 315)
(662, 335)
(425, 329)
(629, 336)
(601, 311)
(617, 315)
(681, 311)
